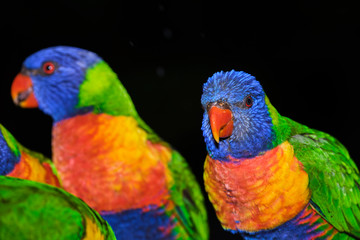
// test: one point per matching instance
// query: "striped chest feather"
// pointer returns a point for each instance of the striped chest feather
(108, 162)
(259, 193)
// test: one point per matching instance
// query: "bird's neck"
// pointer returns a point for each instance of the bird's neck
(257, 193)
(282, 127)
(99, 92)
(106, 96)
(102, 93)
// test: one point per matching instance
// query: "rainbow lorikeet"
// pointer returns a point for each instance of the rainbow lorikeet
(18, 161)
(269, 177)
(31, 210)
(103, 151)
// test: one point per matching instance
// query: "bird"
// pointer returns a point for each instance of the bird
(105, 153)
(268, 176)
(31, 210)
(18, 161)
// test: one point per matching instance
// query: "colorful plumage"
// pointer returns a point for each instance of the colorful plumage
(32, 211)
(18, 161)
(269, 177)
(104, 153)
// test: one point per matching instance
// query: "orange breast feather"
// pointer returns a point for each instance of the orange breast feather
(108, 162)
(258, 193)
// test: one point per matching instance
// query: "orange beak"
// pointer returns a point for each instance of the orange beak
(221, 122)
(22, 92)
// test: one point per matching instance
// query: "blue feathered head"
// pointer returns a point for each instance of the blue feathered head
(50, 79)
(236, 120)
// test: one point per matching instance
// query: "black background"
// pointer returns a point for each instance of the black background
(305, 54)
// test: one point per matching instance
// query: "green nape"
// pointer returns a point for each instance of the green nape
(103, 91)
(282, 128)
(10, 140)
(31, 210)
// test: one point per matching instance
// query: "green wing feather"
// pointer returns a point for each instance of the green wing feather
(189, 200)
(31, 210)
(333, 177)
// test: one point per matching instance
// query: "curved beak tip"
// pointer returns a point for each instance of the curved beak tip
(216, 136)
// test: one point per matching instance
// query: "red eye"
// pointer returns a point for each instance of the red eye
(248, 101)
(48, 68)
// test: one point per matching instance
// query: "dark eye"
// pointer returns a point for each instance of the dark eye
(248, 101)
(48, 68)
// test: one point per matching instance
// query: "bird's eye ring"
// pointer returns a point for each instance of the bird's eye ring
(48, 68)
(248, 101)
